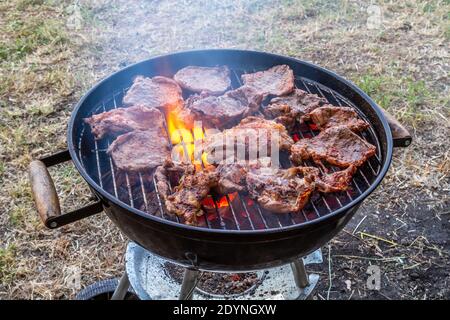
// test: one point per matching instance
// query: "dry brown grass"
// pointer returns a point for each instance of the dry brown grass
(46, 64)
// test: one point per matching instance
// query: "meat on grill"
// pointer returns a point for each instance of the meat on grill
(194, 186)
(212, 80)
(338, 146)
(222, 110)
(231, 177)
(122, 120)
(251, 135)
(140, 150)
(278, 80)
(232, 174)
(281, 190)
(293, 107)
(157, 92)
(330, 116)
(336, 181)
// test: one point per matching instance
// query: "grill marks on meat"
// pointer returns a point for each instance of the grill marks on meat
(157, 92)
(330, 116)
(251, 135)
(293, 107)
(212, 80)
(281, 190)
(194, 186)
(222, 110)
(338, 146)
(122, 120)
(278, 80)
(140, 150)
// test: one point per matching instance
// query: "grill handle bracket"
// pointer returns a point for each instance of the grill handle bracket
(400, 135)
(46, 198)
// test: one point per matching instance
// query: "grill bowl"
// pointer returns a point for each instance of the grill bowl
(223, 249)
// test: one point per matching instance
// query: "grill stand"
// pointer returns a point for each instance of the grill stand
(147, 275)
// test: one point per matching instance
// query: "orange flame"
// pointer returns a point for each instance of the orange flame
(184, 137)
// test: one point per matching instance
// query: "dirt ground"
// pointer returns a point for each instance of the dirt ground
(51, 52)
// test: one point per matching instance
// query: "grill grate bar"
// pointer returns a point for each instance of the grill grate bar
(160, 205)
(144, 196)
(98, 164)
(258, 209)
(238, 226)
(113, 178)
(246, 211)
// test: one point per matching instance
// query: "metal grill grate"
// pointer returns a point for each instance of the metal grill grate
(228, 212)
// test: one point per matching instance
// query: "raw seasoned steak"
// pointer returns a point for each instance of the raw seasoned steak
(122, 120)
(220, 111)
(330, 116)
(157, 92)
(338, 146)
(278, 80)
(212, 80)
(293, 107)
(140, 150)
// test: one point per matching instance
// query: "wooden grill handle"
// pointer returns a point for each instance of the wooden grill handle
(400, 135)
(46, 198)
(44, 192)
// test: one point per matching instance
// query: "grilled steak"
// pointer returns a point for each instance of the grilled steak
(157, 92)
(250, 136)
(194, 186)
(122, 120)
(338, 146)
(336, 181)
(281, 190)
(232, 175)
(293, 107)
(330, 116)
(220, 111)
(278, 80)
(213, 80)
(140, 150)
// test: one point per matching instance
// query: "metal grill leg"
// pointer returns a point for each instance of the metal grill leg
(188, 286)
(299, 272)
(122, 288)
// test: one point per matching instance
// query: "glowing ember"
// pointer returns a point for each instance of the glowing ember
(223, 201)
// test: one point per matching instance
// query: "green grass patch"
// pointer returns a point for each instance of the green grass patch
(398, 93)
(7, 264)
(17, 215)
(27, 35)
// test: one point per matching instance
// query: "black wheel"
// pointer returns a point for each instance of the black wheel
(103, 290)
